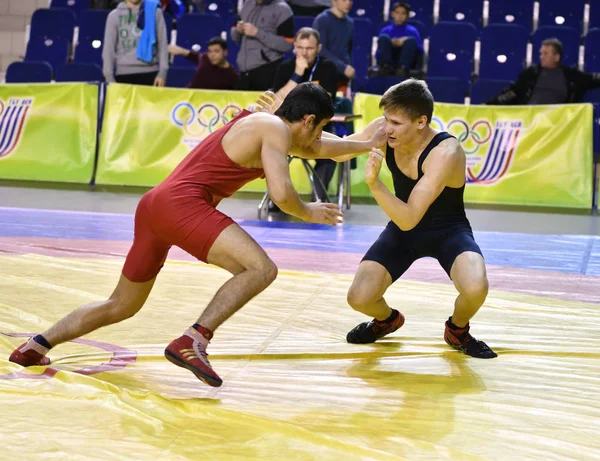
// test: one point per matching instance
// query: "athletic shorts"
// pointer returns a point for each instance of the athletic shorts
(191, 223)
(396, 250)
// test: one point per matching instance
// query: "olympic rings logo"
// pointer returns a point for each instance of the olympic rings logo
(470, 137)
(208, 117)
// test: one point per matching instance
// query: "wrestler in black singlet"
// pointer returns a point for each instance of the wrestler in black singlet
(443, 233)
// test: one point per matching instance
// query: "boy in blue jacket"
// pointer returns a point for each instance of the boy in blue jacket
(399, 45)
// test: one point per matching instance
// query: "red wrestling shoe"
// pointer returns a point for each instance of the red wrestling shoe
(461, 340)
(369, 332)
(30, 354)
(189, 351)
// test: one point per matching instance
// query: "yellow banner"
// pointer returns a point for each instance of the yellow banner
(147, 131)
(516, 155)
(48, 131)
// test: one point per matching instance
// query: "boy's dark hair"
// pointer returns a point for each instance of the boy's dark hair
(217, 41)
(404, 5)
(307, 32)
(307, 98)
(556, 44)
(411, 97)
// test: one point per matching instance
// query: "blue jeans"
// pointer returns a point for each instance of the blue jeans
(405, 56)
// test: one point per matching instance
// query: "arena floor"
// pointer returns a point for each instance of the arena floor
(293, 388)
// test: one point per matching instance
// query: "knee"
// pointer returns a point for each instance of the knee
(359, 298)
(120, 309)
(410, 43)
(476, 290)
(267, 271)
(384, 39)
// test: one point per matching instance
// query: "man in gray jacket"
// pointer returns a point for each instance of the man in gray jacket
(121, 36)
(266, 31)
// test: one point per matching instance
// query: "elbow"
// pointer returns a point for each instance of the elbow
(279, 195)
(407, 223)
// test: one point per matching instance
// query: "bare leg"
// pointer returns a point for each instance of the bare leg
(470, 279)
(368, 287)
(126, 300)
(253, 271)
(366, 295)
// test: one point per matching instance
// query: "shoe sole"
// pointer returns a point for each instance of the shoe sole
(206, 379)
(460, 349)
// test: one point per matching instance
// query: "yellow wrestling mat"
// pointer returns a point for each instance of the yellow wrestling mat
(293, 388)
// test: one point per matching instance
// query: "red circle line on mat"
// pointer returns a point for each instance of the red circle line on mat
(120, 359)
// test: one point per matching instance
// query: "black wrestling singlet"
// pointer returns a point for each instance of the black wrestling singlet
(448, 208)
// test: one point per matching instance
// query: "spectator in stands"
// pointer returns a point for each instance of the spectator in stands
(309, 66)
(548, 82)
(337, 29)
(308, 7)
(266, 32)
(119, 55)
(399, 45)
(214, 71)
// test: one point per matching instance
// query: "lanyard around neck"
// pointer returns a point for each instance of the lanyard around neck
(312, 72)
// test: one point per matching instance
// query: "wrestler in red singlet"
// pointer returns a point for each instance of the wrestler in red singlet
(181, 210)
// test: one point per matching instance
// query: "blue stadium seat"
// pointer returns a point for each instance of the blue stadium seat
(380, 84)
(195, 30)
(451, 50)
(569, 37)
(503, 51)
(77, 6)
(54, 51)
(224, 8)
(169, 23)
(92, 24)
(483, 90)
(179, 77)
(91, 36)
(592, 51)
(53, 23)
(421, 27)
(593, 96)
(232, 51)
(511, 12)
(361, 48)
(76, 72)
(594, 14)
(369, 9)
(420, 10)
(29, 72)
(302, 21)
(89, 51)
(562, 13)
(448, 89)
(462, 11)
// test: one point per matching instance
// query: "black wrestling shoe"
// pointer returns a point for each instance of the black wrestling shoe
(461, 340)
(369, 332)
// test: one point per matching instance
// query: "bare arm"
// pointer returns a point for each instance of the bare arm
(334, 147)
(275, 145)
(342, 149)
(441, 164)
(285, 90)
(276, 140)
